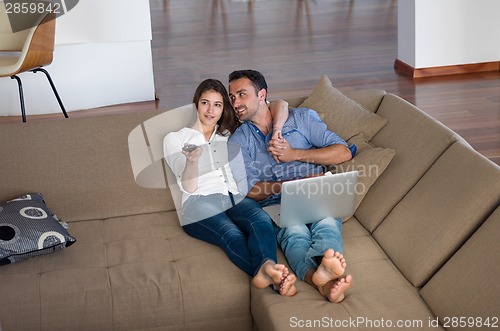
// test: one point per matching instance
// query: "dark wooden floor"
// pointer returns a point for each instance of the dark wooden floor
(293, 42)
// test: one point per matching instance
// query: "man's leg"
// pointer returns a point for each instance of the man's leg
(296, 242)
(327, 239)
(326, 234)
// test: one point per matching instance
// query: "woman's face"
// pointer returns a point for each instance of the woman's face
(210, 107)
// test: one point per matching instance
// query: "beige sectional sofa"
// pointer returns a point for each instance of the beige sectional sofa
(423, 243)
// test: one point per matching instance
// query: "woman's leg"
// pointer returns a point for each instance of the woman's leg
(256, 224)
(218, 229)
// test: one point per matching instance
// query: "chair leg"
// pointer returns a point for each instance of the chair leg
(53, 89)
(21, 95)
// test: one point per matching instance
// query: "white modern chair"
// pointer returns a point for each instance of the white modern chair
(27, 50)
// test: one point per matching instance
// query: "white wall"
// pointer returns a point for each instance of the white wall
(448, 32)
(406, 31)
(102, 57)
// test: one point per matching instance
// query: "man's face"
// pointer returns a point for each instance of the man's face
(244, 99)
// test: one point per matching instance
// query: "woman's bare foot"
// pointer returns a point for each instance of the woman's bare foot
(287, 286)
(270, 273)
(332, 267)
(335, 290)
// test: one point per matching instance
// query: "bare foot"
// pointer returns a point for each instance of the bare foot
(332, 267)
(287, 286)
(269, 273)
(335, 290)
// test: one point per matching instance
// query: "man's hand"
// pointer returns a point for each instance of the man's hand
(333, 154)
(274, 145)
(281, 150)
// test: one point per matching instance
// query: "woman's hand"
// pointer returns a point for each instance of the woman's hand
(193, 155)
(190, 173)
(276, 134)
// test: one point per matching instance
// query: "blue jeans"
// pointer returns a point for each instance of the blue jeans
(302, 243)
(244, 231)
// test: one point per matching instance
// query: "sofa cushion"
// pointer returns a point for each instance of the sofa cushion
(379, 291)
(342, 115)
(370, 161)
(369, 99)
(467, 285)
(135, 272)
(153, 263)
(82, 167)
(28, 229)
(64, 289)
(440, 213)
(418, 141)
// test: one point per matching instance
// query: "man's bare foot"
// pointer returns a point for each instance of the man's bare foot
(287, 286)
(332, 267)
(335, 290)
(270, 273)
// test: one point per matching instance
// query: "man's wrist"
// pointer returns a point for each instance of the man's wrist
(298, 154)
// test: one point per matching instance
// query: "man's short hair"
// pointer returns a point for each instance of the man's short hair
(257, 79)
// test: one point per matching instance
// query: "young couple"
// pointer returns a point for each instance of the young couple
(217, 210)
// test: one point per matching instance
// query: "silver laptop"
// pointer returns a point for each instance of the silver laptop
(309, 200)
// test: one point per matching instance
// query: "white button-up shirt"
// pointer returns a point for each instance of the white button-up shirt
(214, 173)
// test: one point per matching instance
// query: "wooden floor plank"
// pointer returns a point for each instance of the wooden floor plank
(294, 42)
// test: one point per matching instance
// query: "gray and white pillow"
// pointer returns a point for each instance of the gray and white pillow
(28, 229)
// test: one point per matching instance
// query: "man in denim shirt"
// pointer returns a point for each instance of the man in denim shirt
(314, 251)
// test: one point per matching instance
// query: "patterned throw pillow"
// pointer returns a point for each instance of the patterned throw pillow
(28, 229)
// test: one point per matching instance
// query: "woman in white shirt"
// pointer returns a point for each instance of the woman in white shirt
(214, 205)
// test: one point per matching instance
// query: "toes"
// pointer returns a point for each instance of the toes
(329, 253)
(279, 267)
(340, 281)
(287, 286)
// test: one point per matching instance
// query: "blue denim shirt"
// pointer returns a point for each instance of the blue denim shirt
(303, 130)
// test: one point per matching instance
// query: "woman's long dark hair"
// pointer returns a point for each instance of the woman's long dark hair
(228, 121)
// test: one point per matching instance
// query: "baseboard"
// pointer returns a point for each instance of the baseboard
(408, 70)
